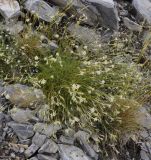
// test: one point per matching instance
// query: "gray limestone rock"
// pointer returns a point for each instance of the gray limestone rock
(24, 96)
(106, 12)
(9, 9)
(47, 130)
(23, 131)
(45, 157)
(143, 8)
(68, 152)
(133, 26)
(82, 138)
(41, 9)
(39, 139)
(49, 147)
(22, 116)
(31, 150)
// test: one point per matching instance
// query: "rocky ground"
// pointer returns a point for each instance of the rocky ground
(23, 132)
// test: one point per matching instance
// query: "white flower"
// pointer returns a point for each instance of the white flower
(102, 82)
(85, 47)
(7, 96)
(75, 87)
(98, 72)
(92, 110)
(86, 63)
(81, 73)
(104, 57)
(99, 45)
(112, 99)
(107, 69)
(53, 59)
(81, 100)
(56, 35)
(36, 58)
(57, 54)
(89, 91)
(76, 46)
(75, 119)
(84, 53)
(43, 81)
(27, 20)
(112, 66)
(105, 62)
(71, 52)
(45, 59)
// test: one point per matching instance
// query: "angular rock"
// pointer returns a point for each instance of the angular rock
(82, 138)
(66, 140)
(60, 3)
(33, 158)
(144, 155)
(143, 8)
(53, 46)
(86, 35)
(132, 25)
(69, 132)
(71, 153)
(144, 118)
(105, 11)
(45, 157)
(24, 96)
(25, 142)
(23, 131)
(49, 147)
(78, 9)
(41, 9)
(82, 135)
(31, 150)
(47, 130)
(2, 119)
(148, 146)
(14, 27)
(22, 116)
(9, 9)
(38, 139)
(1, 90)
(144, 134)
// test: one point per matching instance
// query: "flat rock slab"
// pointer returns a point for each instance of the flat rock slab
(143, 118)
(133, 26)
(48, 130)
(143, 8)
(41, 9)
(23, 131)
(14, 27)
(86, 35)
(9, 9)
(82, 138)
(24, 96)
(106, 12)
(22, 116)
(49, 147)
(68, 152)
(66, 140)
(60, 3)
(39, 139)
(31, 150)
(45, 157)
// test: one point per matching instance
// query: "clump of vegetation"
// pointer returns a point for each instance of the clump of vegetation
(98, 93)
